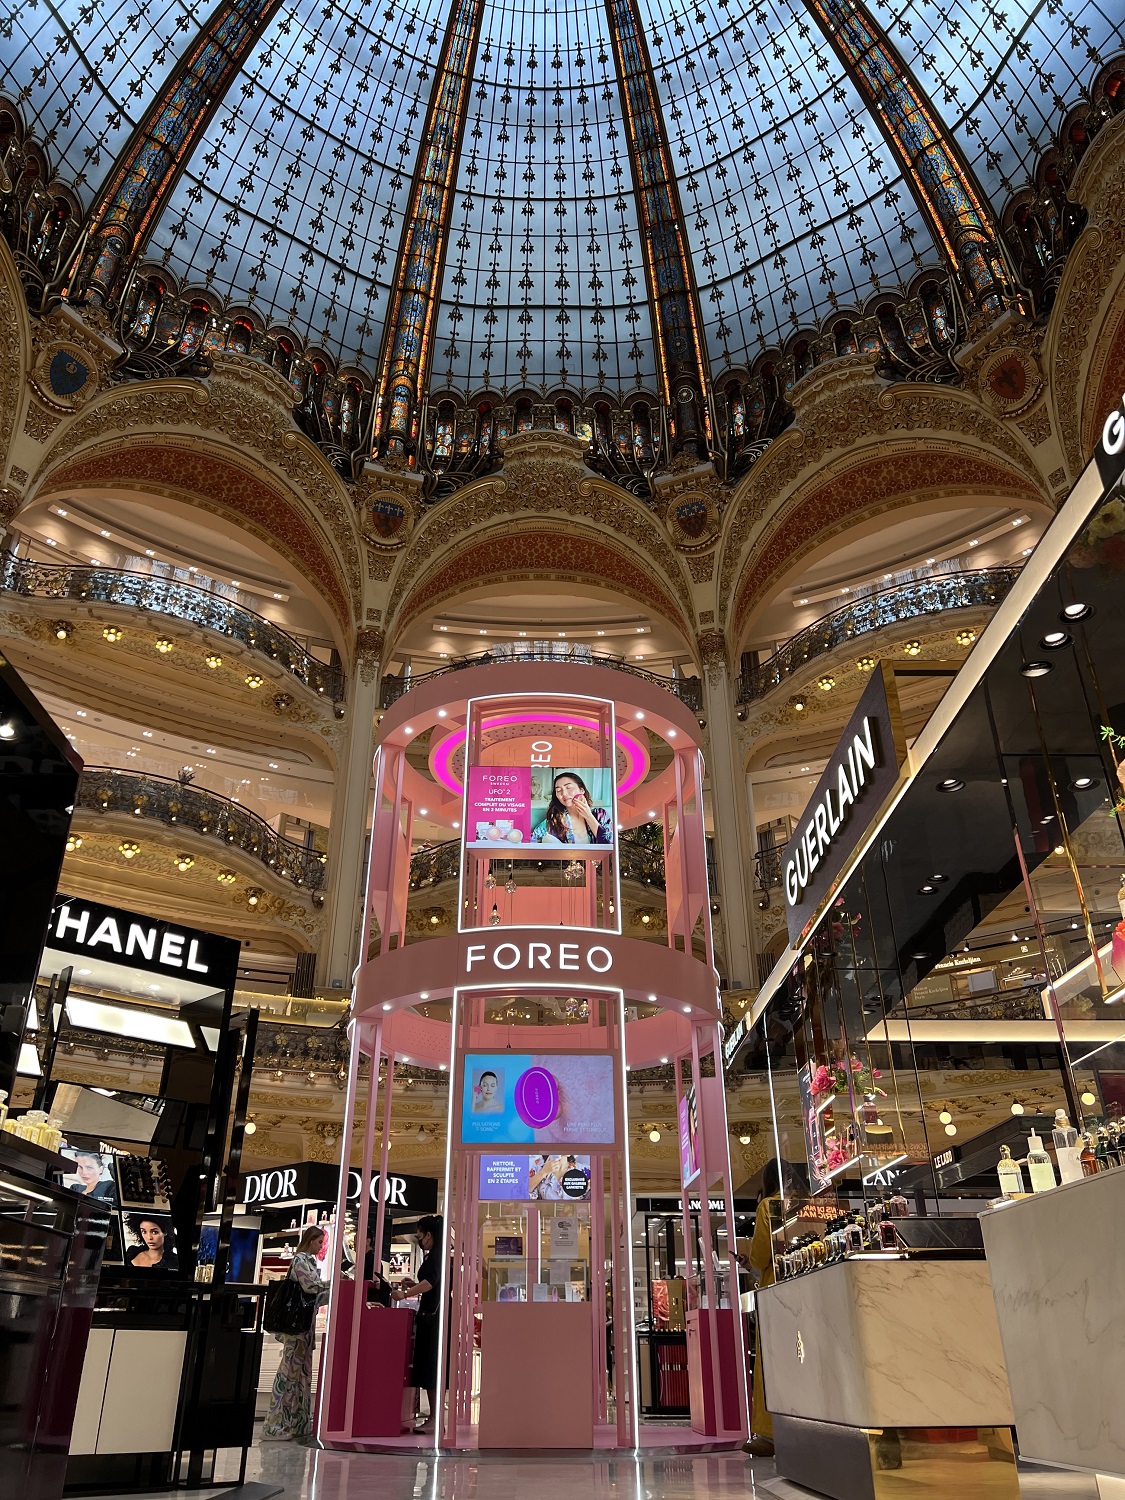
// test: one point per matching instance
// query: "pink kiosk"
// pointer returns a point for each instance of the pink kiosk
(538, 767)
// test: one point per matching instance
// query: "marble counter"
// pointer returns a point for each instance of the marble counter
(1055, 1262)
(886, 1343)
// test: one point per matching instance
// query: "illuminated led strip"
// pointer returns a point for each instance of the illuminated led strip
(636, 761)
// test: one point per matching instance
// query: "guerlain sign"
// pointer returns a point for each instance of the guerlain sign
(862, 770)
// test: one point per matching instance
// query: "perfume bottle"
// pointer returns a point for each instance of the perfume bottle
(888, 1235)
(1068, 1153)
(1039, 1167)
(1010, 1174)
(1088, 1160)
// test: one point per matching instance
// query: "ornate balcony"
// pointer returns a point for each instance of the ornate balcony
(689, 690)
(178, 804)
(176, 601)
(640, 861)
(908, 601)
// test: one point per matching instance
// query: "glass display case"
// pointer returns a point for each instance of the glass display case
(535, 1252)
(965, 980)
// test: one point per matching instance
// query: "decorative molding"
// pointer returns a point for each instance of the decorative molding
(39, 424)
(1036, 426)
(1009, 380)
(368, 653)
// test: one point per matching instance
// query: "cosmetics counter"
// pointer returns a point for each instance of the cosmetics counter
(945, 1050)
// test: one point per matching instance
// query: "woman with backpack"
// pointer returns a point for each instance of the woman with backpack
(289, 1419)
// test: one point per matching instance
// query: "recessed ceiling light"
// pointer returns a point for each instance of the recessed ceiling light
(974, 543)
(105, 533)
(951, 784)
(7, 732)
(638, 715)
(409, 729)
(424, 995)
(1037, 668)
(601, 632)
(926, 890)
(671, 734)
(1076, 611)
(210, 751)
(1081, 783)
(423, 812)
(80, 713)
(149, 552)
(1054, 640)
(146, 734)
(442, 713)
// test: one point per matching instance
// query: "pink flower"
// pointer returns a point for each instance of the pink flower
(822, 1080)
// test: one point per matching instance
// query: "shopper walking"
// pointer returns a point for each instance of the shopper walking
(760, 1444)
(289, 1419)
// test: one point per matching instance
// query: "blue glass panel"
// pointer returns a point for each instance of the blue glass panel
(544, 279)
(293, 202)
(793, 204)
(84, 74)
(1001, 75)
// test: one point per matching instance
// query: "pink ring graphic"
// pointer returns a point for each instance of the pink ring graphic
(635, 760)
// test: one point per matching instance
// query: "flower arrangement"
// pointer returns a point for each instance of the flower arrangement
(834, 1156)
(834, 1079)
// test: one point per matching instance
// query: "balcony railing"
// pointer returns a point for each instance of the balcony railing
(909, 601)
(641, 862)
(177, 601)
(689, 690)
(177, 804)
(767, 869)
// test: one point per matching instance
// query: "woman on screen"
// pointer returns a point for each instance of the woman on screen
(571, 817)
(154, 1253)
(89, 1168)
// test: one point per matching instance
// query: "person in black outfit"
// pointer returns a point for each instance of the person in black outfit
(427, 1288)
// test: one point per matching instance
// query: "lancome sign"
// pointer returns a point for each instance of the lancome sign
(862, 770)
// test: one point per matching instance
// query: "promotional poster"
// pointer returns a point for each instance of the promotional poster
(554, 1178)
(498, 807)
(689, 1129)
(551, 1100)
(570, 806)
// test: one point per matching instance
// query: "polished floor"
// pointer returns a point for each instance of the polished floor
(304, 1474)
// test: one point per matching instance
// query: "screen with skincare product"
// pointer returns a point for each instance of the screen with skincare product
(546, 1178)
(556, 1099)
(498, 807)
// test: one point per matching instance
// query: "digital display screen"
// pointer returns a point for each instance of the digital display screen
(550, 1099)
(545, 1178)
(689, 1130)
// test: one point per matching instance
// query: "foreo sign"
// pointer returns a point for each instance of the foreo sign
(862, 770)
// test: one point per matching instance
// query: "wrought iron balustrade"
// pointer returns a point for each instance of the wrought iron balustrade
(767, 869)
(639, 861)
(908, 601)
(177, 804)
(178, 601)
(689, 690)
(1018, 1005)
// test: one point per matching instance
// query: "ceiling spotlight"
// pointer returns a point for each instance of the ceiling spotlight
(226, 877)
(946, 1116)
(1076, 611)
(184, 862)
(1055, 640)
(965, 637)
(1037, 668)
(254, 895)
(1082, 783)
(799, 705)
(911, 648)
(164, 645)
(926, 890)
(866, 664)
(73, 842)
(826, 683)
(112, 634)
(61, 629)
(1017, 1107)
(951, 784)
(254, 680)
(654, 1135)
(213, 660)
(129, 849)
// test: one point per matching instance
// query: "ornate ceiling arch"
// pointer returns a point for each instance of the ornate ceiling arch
(540, 550)
(896, 476)
(199, 473)
(544, 475)
(848, 416)
(15, 350)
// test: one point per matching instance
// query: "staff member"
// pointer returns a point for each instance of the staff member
(427, 1288)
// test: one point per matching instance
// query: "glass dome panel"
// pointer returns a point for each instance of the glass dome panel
(84, 74)
(544, 280)
(1001, 76)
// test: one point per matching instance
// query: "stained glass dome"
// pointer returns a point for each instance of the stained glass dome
(293, 198)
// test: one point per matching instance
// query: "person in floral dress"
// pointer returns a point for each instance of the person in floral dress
(289, 1419)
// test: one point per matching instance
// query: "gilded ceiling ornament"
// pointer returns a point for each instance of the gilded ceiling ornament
(1009, 380)
(65, 375)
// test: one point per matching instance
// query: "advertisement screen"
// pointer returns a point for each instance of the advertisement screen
(91, 1174)
(498, 807)
(570, 806)
(546, 1178)
(689, 1129)
(550, 1100)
